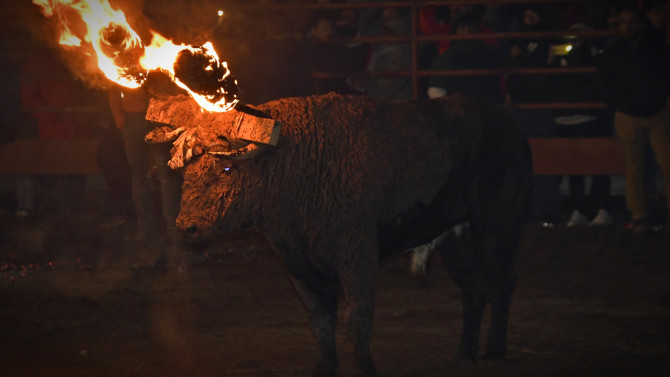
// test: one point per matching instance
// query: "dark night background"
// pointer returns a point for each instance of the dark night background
(591, 301)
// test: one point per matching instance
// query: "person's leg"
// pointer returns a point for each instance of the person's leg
(546, 197)
(659, 138)
(170, 191)
(577, 184)
(26, 187)
(170, 186)
(632, 135)
(600, 192)
(138, 159)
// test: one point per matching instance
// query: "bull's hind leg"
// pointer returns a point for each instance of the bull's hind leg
(463, 259)
(502, 282)
(322, 311)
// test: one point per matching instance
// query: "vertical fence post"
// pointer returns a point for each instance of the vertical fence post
(415, 50)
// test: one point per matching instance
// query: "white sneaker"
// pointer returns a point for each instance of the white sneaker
(603, 218)
(577, 219)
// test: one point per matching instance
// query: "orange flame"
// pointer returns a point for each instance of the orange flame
(122, 56)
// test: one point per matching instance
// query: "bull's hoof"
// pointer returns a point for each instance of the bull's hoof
(367, 372)
(365, 367)
(495, 351)
(326, 369)
(467, 356)
(324, 372)
(495, 355)
(467, 360)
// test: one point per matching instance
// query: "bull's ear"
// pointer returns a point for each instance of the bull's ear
(162, 134)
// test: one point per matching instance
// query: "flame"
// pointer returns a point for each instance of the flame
(124, 59)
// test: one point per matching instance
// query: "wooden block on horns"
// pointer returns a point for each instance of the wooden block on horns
(240, 123)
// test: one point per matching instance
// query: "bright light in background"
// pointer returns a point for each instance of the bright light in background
(220, 13)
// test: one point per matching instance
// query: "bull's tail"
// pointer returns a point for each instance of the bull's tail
(421, 254)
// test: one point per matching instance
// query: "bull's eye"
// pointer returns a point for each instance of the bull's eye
(228, 169)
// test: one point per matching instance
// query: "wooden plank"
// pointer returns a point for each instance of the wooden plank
(258, 130)
(49, 156)
(579, 156)
(183, 111)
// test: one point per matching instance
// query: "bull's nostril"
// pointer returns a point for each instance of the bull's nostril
(191, 230)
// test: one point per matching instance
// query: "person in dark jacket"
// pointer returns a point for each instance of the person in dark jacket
(634, 78)
(468, 54)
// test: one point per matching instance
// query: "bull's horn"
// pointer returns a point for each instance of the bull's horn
(248, 151)
(163, 134)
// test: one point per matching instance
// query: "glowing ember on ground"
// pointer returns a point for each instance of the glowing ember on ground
(126, 60)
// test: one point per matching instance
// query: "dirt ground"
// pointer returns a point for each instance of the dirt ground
(590, 302)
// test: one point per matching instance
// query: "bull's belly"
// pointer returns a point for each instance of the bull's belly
(421, 225)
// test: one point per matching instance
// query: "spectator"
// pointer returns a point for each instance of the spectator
(634, 77)
(113, 164)
(436, 21)
(16, 125)
(498, 18)
(444, 21)
(52, 95)
(129, 111)
(468, 54)
(347, 23)
(332, 57)
(654, 11)
(387, 56)
(575, 52)
(533, 52)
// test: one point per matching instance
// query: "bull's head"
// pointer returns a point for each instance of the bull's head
(211, 191)
(211, 182)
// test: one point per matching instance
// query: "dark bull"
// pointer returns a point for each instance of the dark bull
(352, 180)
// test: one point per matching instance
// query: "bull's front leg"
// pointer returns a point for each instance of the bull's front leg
(322, 311)
(358, 277)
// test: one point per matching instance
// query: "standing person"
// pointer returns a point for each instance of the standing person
(533, 52)
(129, 111)
(634, 77)
(384, 57)
(111, 159)
(50, 95)
(582, 123)
(15, 125)
(468, 54)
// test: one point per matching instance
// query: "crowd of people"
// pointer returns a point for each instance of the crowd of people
(275, 58)
(321, 49)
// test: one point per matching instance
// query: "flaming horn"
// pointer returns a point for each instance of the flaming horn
(126, 60)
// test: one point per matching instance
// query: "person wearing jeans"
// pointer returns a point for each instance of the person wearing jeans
(634, 78)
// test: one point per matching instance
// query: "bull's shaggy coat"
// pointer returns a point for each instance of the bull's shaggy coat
(353, 180)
